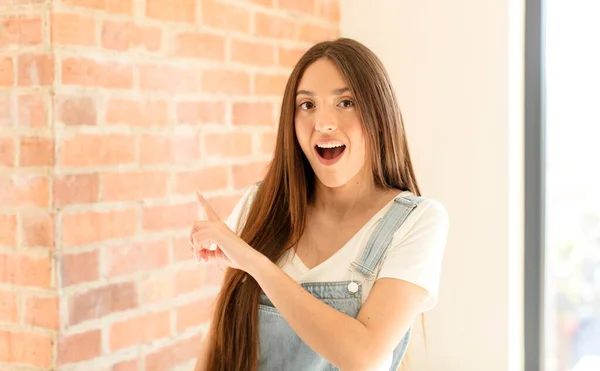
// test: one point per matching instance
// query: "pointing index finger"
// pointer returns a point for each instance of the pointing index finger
(210, 214)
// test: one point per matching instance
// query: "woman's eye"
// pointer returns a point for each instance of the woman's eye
(306, 105)
(346, 103)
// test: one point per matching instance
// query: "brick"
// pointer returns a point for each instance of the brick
(305, 6)
(223, 205)
(169, 78)
(157, 289)
(247, 175)
(328, 9)
(94, 226)
(269, 85)
(267, 143)
(8, 229)
(32, 110)
(26, 348)
(137, 257)
(225, 16)
(101, 301)
(37, 151)
(73, 29)
(123, 186)
(253, 113)
(252, 53)
(37, 229)
(200, 112)
(24, 270)
(288, 57)
(156, 149)
(173, 10)
(187, 281)
(126, 366)
(199, 45)
(97, 150)
(79, 347)
(181, 245)
(110, 6)
(79, 268)
(8, 306)
(137, 112)
(215, 272)
(42, 312)
(227, 144)
(267, 3)
(21, 30)
(165, 217)
(124, 36)
(103, 74)
(273, 26)
(184, 148)
(6, 111)
(194, 314)
(309, 32)
(203, 180)
(7, 71)
(24, 190)
(167, 358)
(225, 82)
(7, 151)
(76, 110)
(76, 189)
(140, 330)
(35, 69)
(24, 2)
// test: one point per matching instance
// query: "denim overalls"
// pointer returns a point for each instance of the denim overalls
(282, 350)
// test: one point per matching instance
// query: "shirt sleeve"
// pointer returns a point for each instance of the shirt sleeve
(416, 255)
(237, 217)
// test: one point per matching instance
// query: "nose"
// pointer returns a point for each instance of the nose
(325, 122)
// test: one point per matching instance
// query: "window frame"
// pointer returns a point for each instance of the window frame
(535, 192)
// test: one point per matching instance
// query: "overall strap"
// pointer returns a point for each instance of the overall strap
(382, 236)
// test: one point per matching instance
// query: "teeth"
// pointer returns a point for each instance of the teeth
(330, 145)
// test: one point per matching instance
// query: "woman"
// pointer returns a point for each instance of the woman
(335, 253)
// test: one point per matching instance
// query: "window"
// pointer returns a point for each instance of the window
(562, 261)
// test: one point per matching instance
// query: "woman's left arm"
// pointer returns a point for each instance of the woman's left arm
(350, 344)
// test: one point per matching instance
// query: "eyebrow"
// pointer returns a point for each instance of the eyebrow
(311, 94)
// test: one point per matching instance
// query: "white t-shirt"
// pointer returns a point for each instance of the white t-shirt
(415, 253)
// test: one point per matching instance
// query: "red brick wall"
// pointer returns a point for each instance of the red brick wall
(112, 114)
(28, 289)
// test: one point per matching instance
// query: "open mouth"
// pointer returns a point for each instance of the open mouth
(330, 154)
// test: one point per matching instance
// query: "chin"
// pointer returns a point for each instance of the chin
(336, 179)
(331, 182)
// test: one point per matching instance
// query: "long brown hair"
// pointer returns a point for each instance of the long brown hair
(276, 218)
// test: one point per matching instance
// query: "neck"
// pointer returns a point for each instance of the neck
(340, 201)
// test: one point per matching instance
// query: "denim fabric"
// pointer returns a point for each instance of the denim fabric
(282, 350)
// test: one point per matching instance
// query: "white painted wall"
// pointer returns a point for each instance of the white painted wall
(457, 67)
